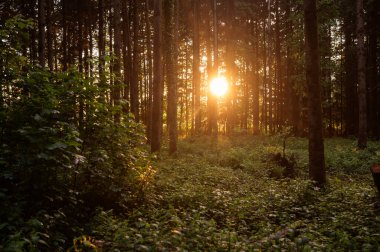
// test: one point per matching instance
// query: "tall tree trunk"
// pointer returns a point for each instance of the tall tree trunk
(255, 83)
(211, 115)
(41, 31)
(351, 101)
(196, 71)
(292, 104)
(264, 115)
(157, 79)
(230, 65)
(279, 105)
(134, 88)
(126, 55)
(172, 85)
(270, 72)
(150, 74)
(316, 148)
(362, 89)
(213, 73)
(372, 78)
(50, 10)
(117, 55)
(101, 42)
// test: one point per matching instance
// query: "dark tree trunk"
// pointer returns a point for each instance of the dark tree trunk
(150, 76)
(196, 72)
(351, 101)
(256, 84)
(316, 148)
(212, 73)
(134, 88)
(292, 101)
(41, 32)
(230, 65)
(50, 10)
(172, 85)
(211, 115)
(362, 90)
(101, 42)
(117, 56)
(126, 55)
(372, 78)
(279, 98)
(64, 35)
(157, 79)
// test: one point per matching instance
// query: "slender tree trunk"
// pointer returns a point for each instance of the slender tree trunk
(101, 44)
(41, 32)
(211, 117)
(50, 10)
(117, 55)
(150, 69)
(372, 78)
(316, 148)
(213, 110)
(279, 85)
(136, 62)
(269, 77)
(256, 84)
(351, 101)
(126, 52)
(264, 115)
(230, 65)
(157, 79)
(196, 71)
(362, 89)
(172, 86)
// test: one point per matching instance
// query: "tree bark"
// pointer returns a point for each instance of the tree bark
(372, 78)
(50, 10)
(117, 56)
(196, 72)
(172, 85)
(256, 83)
(150, 74)
(157, 79)
(362, 89)
(316, 147)
(134, 88)
(230, 65)
(41, 32)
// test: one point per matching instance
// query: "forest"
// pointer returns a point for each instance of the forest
(189, 125)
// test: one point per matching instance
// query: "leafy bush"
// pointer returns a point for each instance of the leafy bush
(61, 154)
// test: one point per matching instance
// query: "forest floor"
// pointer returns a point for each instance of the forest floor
(231, 195)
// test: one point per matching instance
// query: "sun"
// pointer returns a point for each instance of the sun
(219, 86)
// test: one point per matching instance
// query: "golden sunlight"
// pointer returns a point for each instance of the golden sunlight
(219, 86)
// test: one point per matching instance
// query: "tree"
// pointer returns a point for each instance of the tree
(157, 79)
(172, 82)
(362, 89)
(196, 72)
(134, 87)
(316, 148)
(41, 31)
(117, 54)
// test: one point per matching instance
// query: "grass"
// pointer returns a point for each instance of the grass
(221, 196)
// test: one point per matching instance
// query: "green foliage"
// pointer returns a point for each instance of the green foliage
(61, 153)
(202, 202)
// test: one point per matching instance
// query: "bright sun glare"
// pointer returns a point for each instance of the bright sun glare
(219, 86)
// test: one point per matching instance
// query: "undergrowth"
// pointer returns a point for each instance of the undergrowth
(220, 196)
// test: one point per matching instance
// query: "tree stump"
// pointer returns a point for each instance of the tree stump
(375, 169)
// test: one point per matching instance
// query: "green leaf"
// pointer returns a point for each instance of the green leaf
(57, 145)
